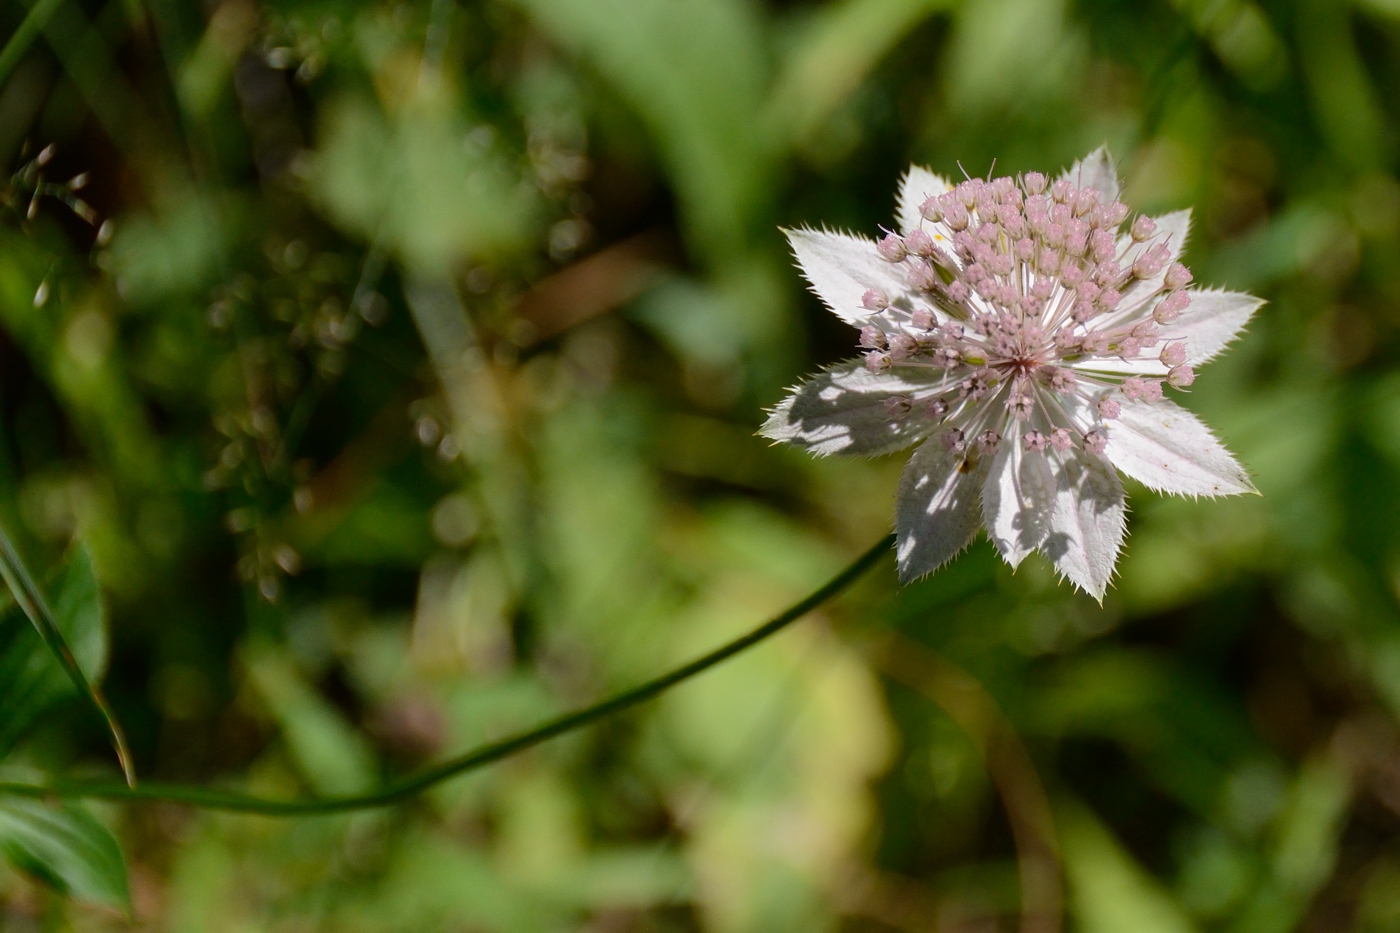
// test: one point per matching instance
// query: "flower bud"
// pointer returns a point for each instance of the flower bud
(1170, 307)
(931, 209)
(922, 276)
(1143, 227)
(919, 243)
(1173, 354)
(955, 215)
(1101, 245)
(877, 361)
(1084, 201)
(1181, 376)
(897, 406)
(1178, 276)
(891, 248)
(875, 299)
(872, 338)
(902, 346)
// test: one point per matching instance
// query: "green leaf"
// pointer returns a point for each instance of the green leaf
(836, 52)
(411, 181)
(65, 846)
(1111, 891)
(32, 679)
(694, 72)
(24, 36)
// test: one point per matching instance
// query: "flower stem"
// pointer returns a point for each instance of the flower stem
(412, 785)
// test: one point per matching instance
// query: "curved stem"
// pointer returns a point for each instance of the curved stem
(478, 758)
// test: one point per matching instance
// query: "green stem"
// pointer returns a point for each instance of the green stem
(29, 29)
(36, 607)
(478, 758)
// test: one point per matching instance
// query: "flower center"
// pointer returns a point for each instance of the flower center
(1024, 295)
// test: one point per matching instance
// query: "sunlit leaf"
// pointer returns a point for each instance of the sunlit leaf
(66, 847)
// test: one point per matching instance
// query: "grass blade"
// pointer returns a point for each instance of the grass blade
(36, 607)
(29, 29)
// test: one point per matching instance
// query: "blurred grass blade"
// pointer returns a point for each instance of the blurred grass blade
(694, 72)
(31, 600)
(29, 29)
(65, 845)
(1112, 892)
(838, 50)
(31, 681)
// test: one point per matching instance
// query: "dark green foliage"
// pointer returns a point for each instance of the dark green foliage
(408, 400)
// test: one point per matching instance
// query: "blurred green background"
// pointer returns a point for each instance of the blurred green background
(399, 372)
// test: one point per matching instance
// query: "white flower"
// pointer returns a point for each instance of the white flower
(1021, 332)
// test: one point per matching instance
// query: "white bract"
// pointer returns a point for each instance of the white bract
(1021, 330)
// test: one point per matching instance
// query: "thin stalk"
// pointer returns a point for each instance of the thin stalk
(33, 23)
(209, 799)
(36, 607)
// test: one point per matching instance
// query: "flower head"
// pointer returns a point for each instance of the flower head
(1023, 330)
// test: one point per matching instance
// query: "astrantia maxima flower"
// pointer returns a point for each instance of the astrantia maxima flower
(1020, 330)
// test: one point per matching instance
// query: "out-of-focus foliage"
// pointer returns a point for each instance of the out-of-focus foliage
(401, 381)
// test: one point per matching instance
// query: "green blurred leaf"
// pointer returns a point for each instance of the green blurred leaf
(24, 36)
(694, 72)
(420, 180)
(65, 846)
(836, 52)
(1111, 893)
(31, 679)
(334, 758)
(1009, 54)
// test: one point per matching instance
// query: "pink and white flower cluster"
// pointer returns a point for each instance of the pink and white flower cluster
(1023, 329)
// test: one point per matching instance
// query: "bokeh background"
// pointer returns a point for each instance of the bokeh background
(399, 370)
